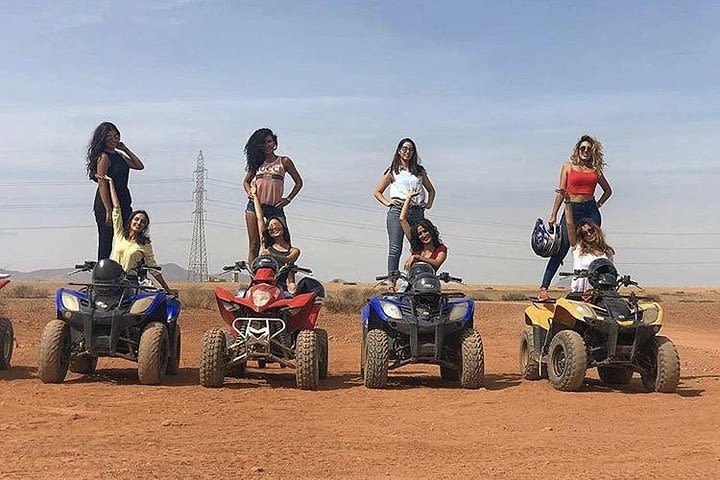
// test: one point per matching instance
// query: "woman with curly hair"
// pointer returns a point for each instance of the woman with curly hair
(578, 180)
(267, 171)
(425, 243)
(108, 156)
(404, 175)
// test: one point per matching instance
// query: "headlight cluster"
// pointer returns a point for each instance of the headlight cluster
(261, 297)
(391, 310)
(142, 305)
(70, 302)
(650, 315)
(459, 311)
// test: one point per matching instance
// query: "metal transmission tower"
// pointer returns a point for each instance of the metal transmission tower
(197, 266)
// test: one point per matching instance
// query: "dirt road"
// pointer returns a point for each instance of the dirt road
(110, 426)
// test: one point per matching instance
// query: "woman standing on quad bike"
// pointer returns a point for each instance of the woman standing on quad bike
(267, 171)
(130, 240)
(588, 243)
(578, 180)
(108, 156)
(404, 175)
(424, 238)
(275, 238)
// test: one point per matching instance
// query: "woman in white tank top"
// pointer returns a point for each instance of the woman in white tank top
(404, 175)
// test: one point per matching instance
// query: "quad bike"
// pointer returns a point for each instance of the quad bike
(116, 315)
(267, 325)
(7, 338)
(421, 325)
(615, 333)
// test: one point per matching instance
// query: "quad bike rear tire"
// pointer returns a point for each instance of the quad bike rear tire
(665, 361)
(529, 367)
(307, 358)
(615, 375)
(54, 352)
(153, 354)
(377, 356)
(173, 367)
(323, 360)
(213, 358)
(7, 342)
(568, 361)
(472, 373)
(84, 364)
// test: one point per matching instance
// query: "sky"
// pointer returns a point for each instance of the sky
(495, 94)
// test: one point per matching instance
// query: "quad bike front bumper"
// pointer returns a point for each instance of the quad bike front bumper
(264, 339)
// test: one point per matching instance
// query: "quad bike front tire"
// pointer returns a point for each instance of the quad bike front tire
(322, 336)
(377, 357)
(7, 341)
(84, 364)
(54, 352)
(664, 375)
(213, 358)
(529, 366)
(615, 375)
(472, 373)
(307, 358)
(568, 361)
(173, 367)
(153, 354)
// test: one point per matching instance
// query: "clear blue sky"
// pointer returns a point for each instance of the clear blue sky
(495, 94)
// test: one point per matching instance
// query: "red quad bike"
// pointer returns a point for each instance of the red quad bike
(7, 338)
(268, 326)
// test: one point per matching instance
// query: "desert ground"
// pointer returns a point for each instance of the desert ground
(109, 426)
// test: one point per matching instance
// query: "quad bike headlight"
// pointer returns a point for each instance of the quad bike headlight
(142, 305)
(586, 311)
(459, 311)
(391, 310)
(261, 297)
(650, 315)
(70, 302)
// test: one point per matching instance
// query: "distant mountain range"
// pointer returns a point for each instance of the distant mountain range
(170, 271)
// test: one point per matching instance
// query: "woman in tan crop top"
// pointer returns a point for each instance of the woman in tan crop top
(266, 171)
(578, 180)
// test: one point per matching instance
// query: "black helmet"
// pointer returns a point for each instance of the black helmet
(602, 274)
(264, 261)
(544, 242)
(107, 271)
(420, 268)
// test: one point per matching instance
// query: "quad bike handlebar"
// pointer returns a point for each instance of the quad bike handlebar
(243, 266)
(396, 275)
(623, 280)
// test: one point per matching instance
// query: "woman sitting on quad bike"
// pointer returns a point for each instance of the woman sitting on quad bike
(588, 243)
(130, 241)
(423, 236)
(275, 241)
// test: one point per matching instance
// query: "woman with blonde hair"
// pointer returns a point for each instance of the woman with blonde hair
(579, 178)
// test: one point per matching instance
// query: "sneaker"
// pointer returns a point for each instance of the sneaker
(543, 294)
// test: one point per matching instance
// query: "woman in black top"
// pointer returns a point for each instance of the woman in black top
(104, 157)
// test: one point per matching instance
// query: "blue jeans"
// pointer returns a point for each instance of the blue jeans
(580, 211)
(396, 235)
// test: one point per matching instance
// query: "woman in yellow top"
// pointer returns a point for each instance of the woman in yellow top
(130, 241)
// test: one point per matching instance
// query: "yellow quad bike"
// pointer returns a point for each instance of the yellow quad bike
(615, 333)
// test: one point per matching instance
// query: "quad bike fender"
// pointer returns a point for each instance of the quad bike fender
(539, 314)
(4, 282)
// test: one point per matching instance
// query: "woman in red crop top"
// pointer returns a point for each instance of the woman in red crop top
(423, 236)
(578, 180)
(267, 171)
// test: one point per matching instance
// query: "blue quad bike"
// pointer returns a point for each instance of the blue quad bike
(421, 324)
(117, 314)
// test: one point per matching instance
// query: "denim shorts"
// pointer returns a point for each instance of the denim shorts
(268, 210)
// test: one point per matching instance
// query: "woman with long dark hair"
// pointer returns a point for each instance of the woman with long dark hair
(267, 171)
(404, 175)
(578, 180)
(108, 156)
(424, 237)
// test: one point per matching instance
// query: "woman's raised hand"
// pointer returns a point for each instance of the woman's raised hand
(104, 177)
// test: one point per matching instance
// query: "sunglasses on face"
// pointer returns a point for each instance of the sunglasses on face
(407, 149)
(585, 148)
(588, 231)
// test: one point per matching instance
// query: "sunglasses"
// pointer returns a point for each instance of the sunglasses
(407, 150)
(585, 148)
(588, 231)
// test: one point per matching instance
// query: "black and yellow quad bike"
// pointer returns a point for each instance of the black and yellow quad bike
(615, 333)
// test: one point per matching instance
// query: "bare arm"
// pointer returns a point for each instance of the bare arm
(430, 189)
(404, 213)
(384, 182)
(607, 190)
(131, 159)
(559, 194)
(292, 171)
(258, 211)
(110, 185)
(247, 181)
(103, 188)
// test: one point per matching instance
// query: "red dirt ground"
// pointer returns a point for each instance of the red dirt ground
(110, 426)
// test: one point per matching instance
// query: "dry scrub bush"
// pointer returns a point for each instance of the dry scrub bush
(514, 297)
(347, 300)
(23, 290)
(480, 297)
(196, 297)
